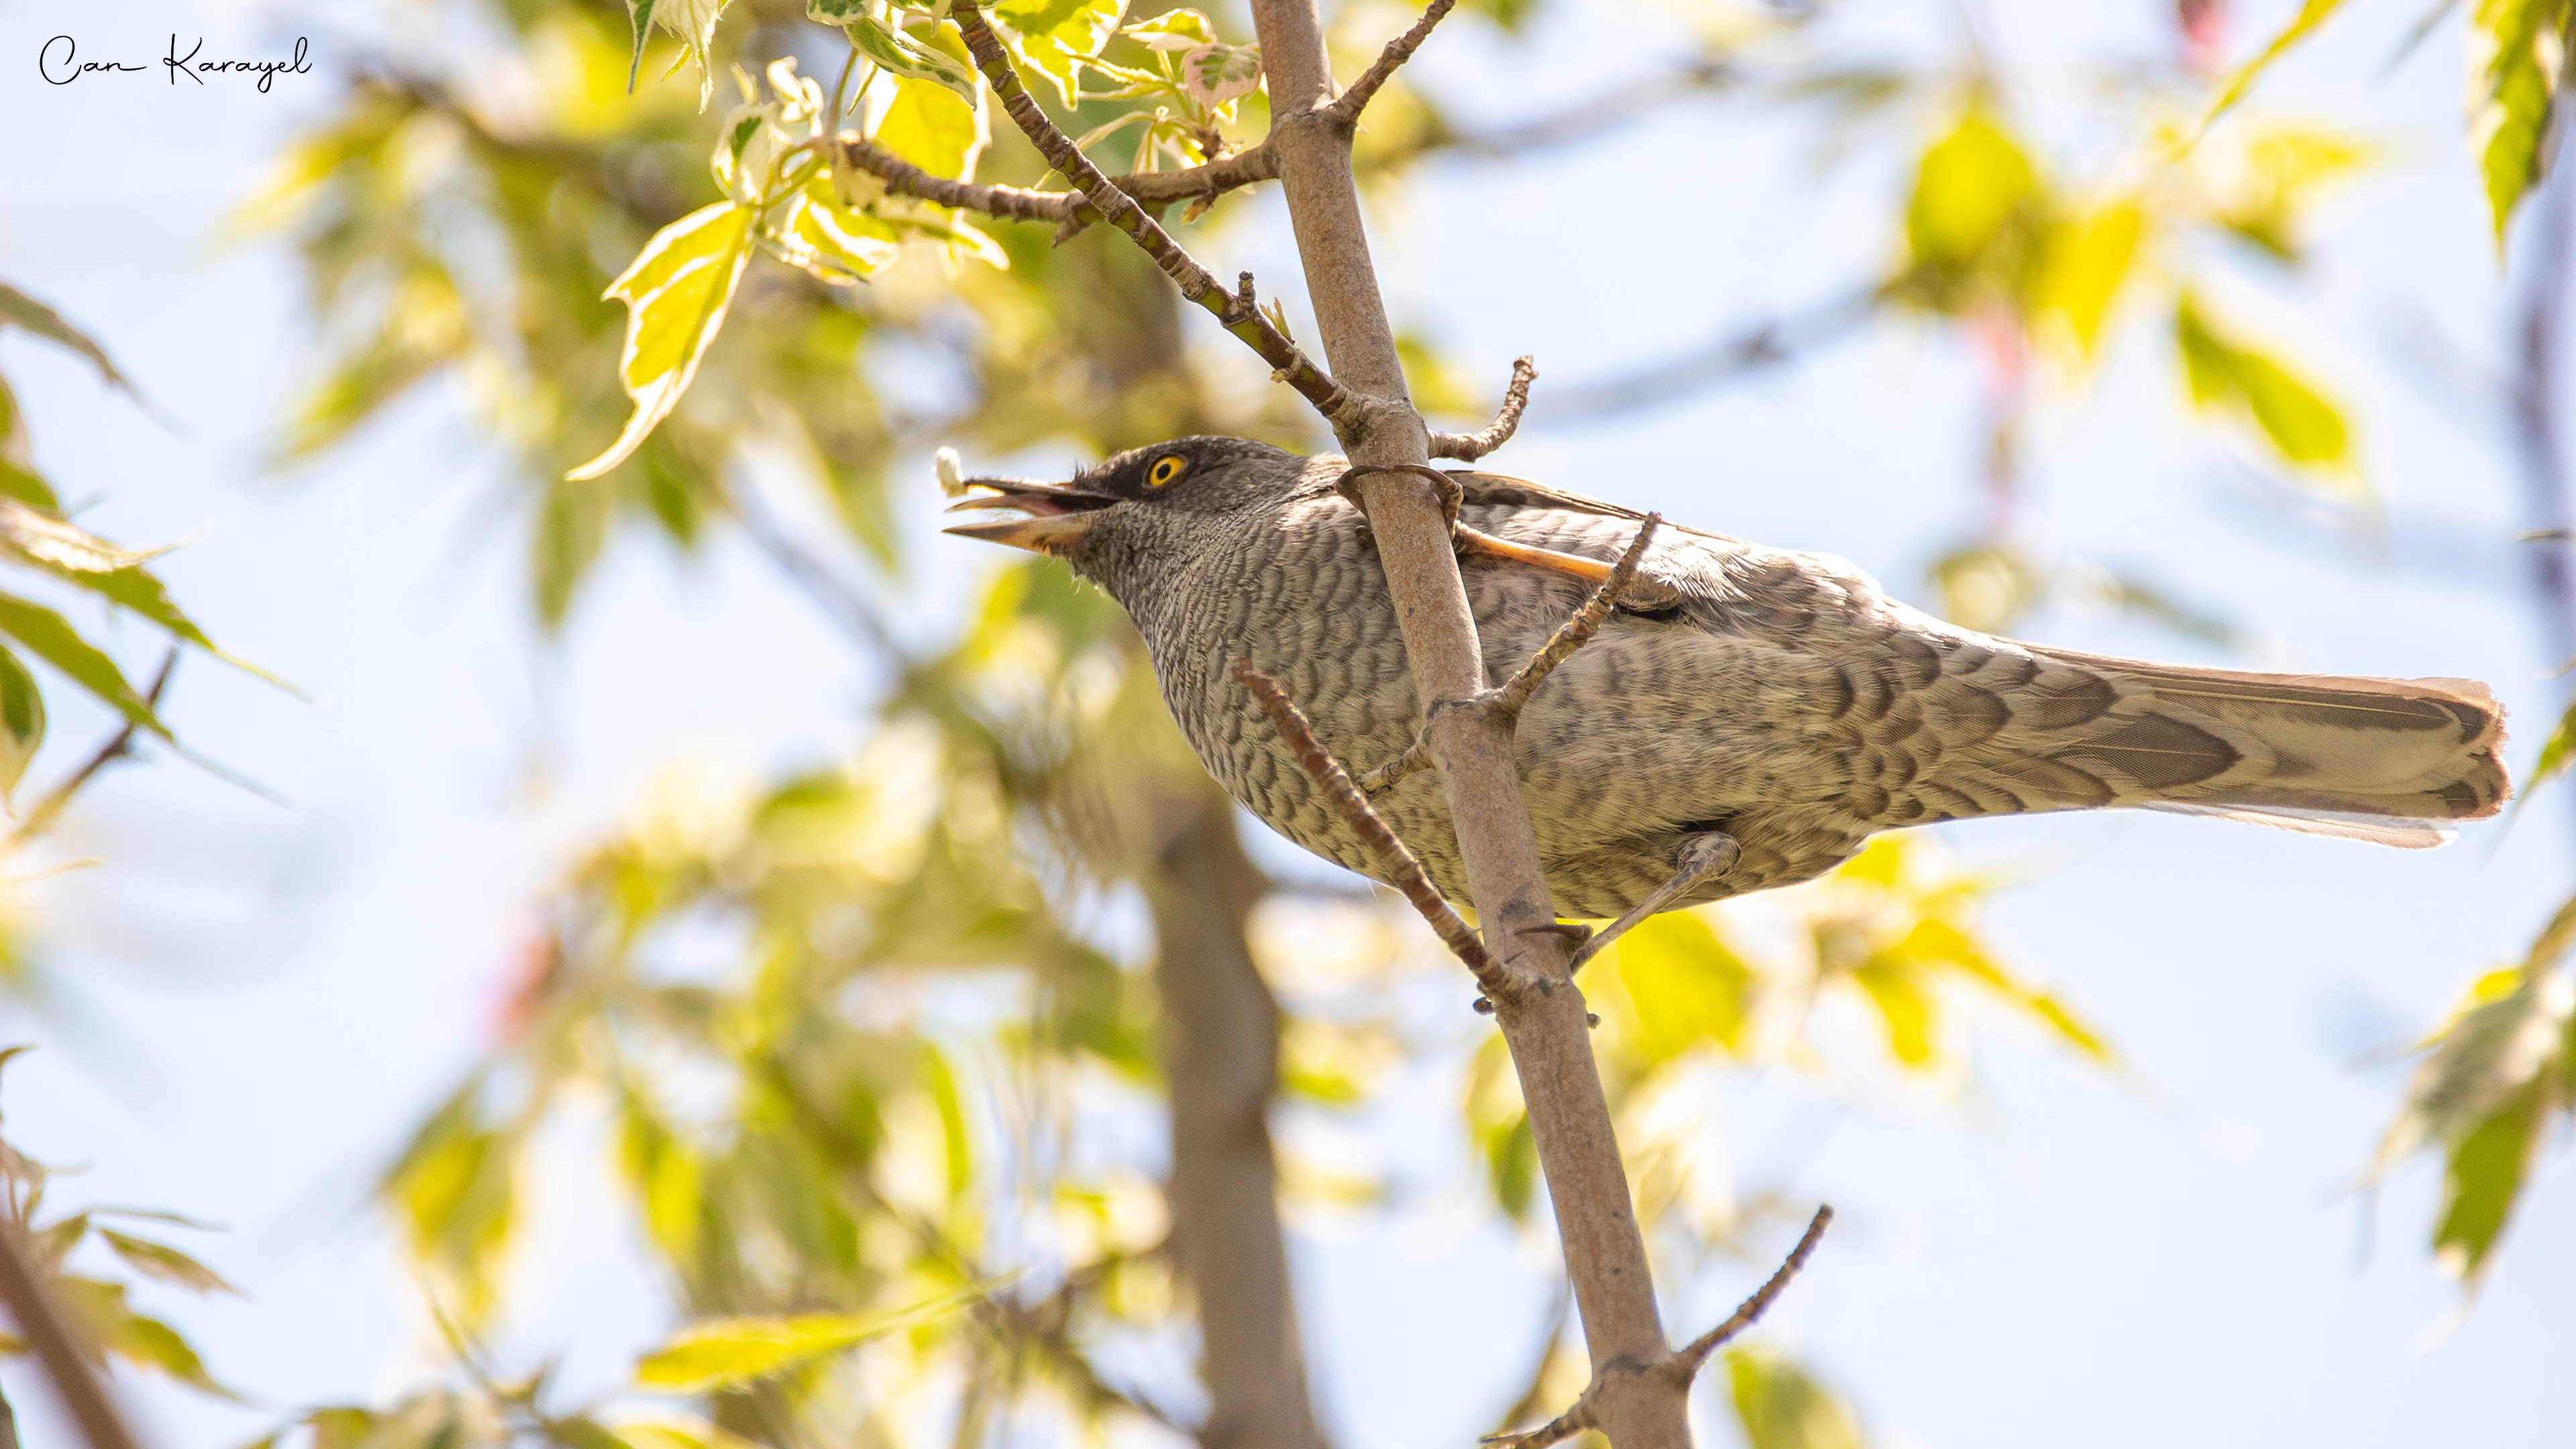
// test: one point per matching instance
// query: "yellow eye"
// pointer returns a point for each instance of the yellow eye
(1166, 468)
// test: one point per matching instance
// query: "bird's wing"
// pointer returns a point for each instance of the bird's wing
(1504, 490)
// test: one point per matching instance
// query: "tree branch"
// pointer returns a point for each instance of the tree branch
(58, 1342)
(1571, 635)
(1544, 1020)
(1346, 108)
(1409, 878)
(1064, 208)
(1234, 309)
(1468, 447)
(119, 745)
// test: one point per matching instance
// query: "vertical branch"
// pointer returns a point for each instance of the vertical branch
(1220, 1042)
(41, 1321)
(1545, 1026)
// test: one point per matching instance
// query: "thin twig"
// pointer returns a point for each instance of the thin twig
(1065, 208)
(58, 1342)
(1468, 447)
(41, 815)
(1563, 1427)
(1336, 402)
(1687, 1362)
(1515, 693)
(1401, 864)
(1345, 109)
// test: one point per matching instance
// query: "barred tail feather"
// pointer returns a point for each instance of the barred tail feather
(2396, 762)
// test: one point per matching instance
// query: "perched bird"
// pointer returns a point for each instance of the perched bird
(1747, 718)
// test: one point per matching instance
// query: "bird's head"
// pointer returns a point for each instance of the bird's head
(1133, 514)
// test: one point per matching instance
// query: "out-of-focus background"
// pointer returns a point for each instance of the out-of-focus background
(247, 1000)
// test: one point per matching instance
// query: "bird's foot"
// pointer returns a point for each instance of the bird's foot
(1701, 857)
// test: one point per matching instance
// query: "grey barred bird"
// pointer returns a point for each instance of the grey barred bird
(1747, 718)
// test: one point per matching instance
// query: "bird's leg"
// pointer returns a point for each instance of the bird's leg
(1700, 857)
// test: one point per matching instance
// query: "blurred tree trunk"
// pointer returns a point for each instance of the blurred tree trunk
(1220, 1040)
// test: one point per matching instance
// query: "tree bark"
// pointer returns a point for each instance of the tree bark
(1220, 1039)
(1544, 1021)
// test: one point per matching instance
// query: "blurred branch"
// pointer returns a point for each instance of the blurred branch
(1236, 310)
(1345, 109)
(1584, 121)
(1730, 356)
(57, 1342)
(1469, 447)
(119, 745)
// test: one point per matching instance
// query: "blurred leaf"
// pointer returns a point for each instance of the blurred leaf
(2516, 49)
(25, 311)
(22, 720)
(730, 1352)
(676, 293)
(159, 1260)
(2554, 755)
(677, 1434)
(2084, 265)
(1986, 587)
(2312, 13)
(929, 125)
(2484, 1176)
(49, 638)
(1686, 987)
(117, 575)
(1779, 1407)
(454, 1190)
(1970, 185)
(2304, 426)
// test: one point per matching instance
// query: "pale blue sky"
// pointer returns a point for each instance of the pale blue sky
(259, 999)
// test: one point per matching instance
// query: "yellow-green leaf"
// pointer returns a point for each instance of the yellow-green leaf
(2555, 755)
(728, 1352)
(160, 1260)
(2516, 49)
(1780, 1407)
(45, 322)
(2312, 13)
(1968, 187)
(676, 293)
(2085, 263)
(929, 125)
(2484, 1176)
(1054, 36)
(49, 638)
(1685, 986)
(2302, 424)
(22, 720)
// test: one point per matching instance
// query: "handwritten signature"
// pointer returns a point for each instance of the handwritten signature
(58, 61)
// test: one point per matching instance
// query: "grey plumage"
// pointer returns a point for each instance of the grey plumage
(1777, 697)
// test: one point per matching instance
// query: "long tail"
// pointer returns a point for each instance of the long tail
(2392, 761)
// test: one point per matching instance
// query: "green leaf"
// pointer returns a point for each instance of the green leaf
(897, 51)
(1686, 988)
(117, 575)
(639, 15)
(22, 720)
(1053, 37)
(2302, 424)
(45, 322)
(730, 1352)
(1780, 1407)
(929, 125)
(49, 638)
(160, 1260)
(2555, 754)
(2484, 1176)
(2516, 49)
(2509, 1031)
(676, 293)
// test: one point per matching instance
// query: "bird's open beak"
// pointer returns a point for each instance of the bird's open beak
(1053, 516)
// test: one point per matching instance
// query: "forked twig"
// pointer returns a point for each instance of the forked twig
(1468, 447)
(1514, 695)
(1345, 109)
(1065, 208)
(1120, 210)
(1401, 863)
(1682, 1365)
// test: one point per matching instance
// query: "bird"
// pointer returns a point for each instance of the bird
(1746, 717)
